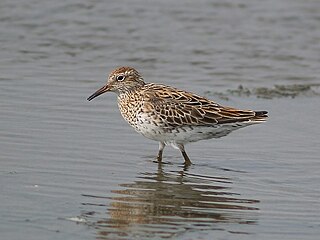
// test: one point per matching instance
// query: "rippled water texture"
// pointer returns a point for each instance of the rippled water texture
(73, 169)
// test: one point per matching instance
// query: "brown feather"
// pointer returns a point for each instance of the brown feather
(191, 109)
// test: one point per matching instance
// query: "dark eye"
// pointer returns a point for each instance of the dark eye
(120, 78)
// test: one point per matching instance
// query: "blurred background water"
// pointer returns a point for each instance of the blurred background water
(71, 169)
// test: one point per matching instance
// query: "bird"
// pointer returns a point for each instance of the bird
(172, 116)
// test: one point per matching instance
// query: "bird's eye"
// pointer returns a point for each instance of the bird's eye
(120, 78)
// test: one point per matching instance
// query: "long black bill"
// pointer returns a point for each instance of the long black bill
(99, 92)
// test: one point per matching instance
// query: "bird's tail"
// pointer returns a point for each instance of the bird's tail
(260, 116)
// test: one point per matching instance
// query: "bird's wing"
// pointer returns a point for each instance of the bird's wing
(178, 108)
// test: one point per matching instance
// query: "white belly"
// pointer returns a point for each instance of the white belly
(151, 128)
(185, 134)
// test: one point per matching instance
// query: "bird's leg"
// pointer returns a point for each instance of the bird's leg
(161, 147)
(187, 161)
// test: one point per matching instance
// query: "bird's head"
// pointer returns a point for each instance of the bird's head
(121, 80)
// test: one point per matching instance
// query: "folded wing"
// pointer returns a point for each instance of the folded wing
(180, 108)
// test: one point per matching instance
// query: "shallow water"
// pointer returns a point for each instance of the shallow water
(71, 169)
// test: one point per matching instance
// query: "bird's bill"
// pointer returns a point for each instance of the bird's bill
(100, 91)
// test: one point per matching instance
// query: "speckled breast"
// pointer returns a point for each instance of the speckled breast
(137, 113)
(130, 106)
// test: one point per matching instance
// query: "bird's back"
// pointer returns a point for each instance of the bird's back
(167, 114)
(178, 107)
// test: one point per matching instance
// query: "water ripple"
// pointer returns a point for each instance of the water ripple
(162, 204)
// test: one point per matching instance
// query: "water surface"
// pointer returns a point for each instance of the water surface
(71, 169)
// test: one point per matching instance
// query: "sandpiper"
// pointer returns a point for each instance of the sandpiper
(172, 116)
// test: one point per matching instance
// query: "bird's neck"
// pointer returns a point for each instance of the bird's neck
(130, 90)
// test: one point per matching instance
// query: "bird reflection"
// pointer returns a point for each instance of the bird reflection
(162, 204)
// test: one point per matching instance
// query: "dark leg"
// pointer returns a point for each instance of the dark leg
(161, 147)
(186, 158)
(187, 161)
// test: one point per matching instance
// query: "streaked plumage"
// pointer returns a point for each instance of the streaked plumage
(172, 116)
